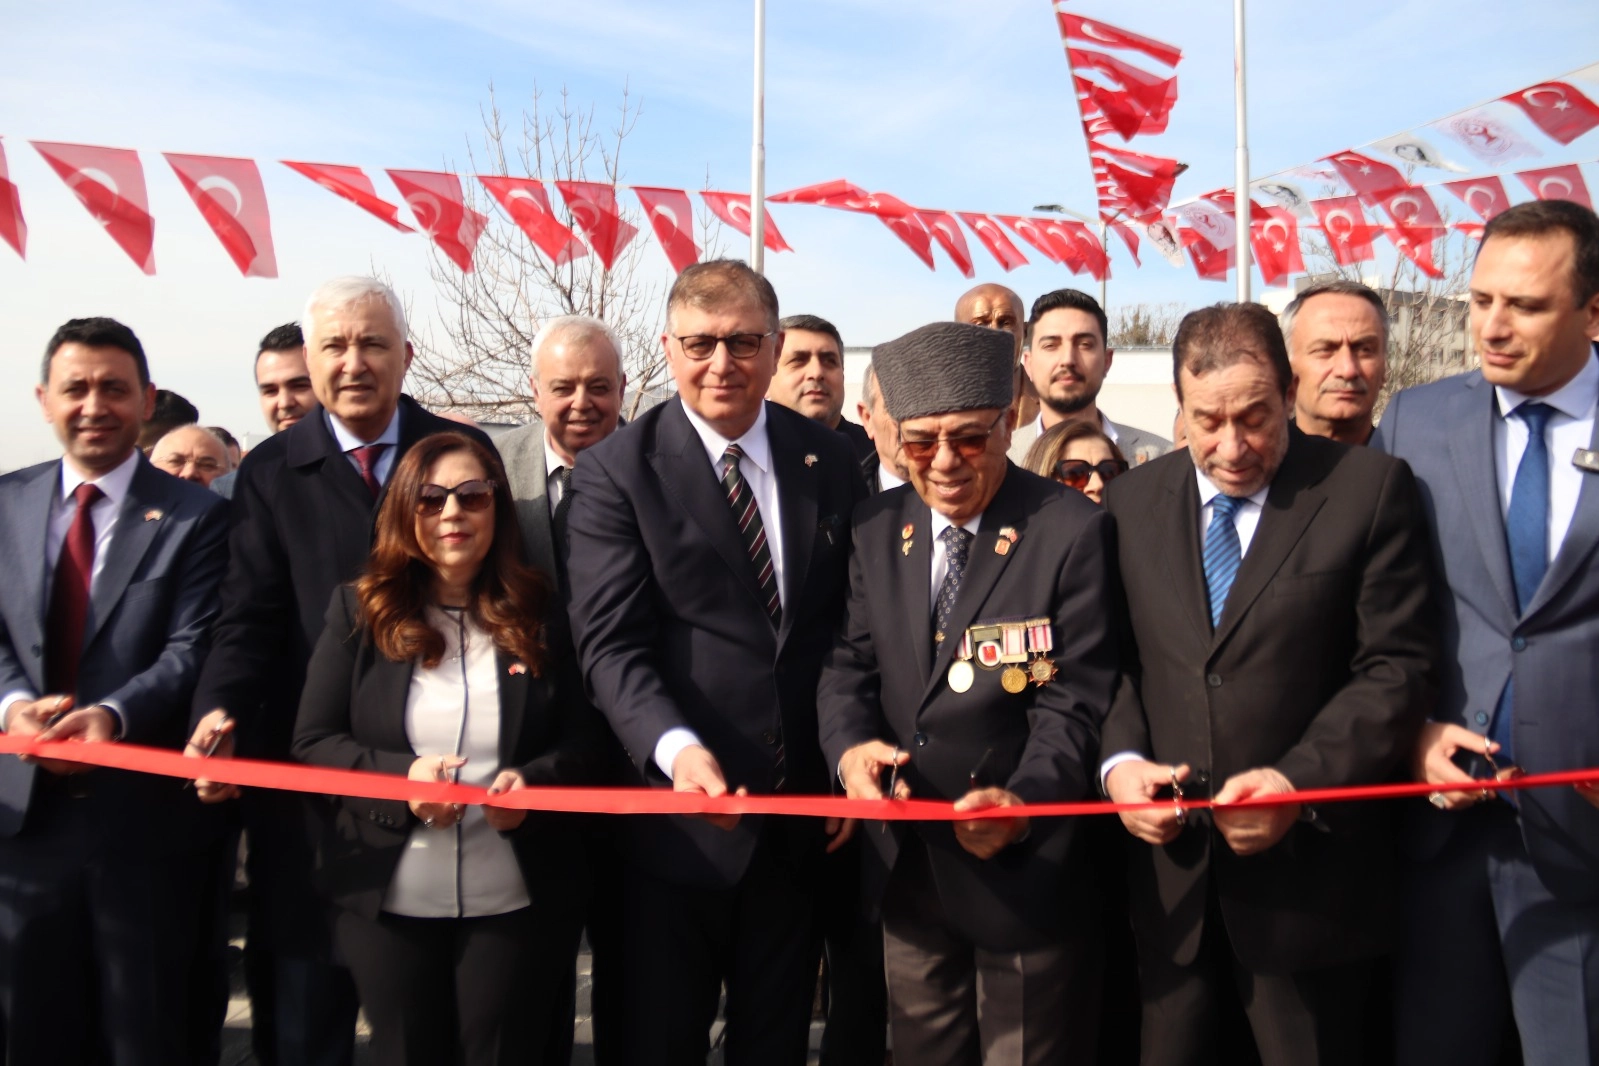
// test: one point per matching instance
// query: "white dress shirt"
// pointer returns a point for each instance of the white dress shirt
(1569, 428)
(468, 870)
(115, 485)
(756, 468)
(1106, 426)
(348, 442)
(887, 479)
(552, 485)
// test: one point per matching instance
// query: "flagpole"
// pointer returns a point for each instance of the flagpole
(758, 148)
(1241, 193)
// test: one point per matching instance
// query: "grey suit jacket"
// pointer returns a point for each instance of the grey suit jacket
(1138, 445)
(1445, 431)
(522, 450)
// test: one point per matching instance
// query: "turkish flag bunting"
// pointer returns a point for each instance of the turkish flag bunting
(1558, 109)
(1412, 208)
(528, 204)
(672, 218)
(594, 209)
(883, 205)
(1080, 248)
(109, 182)
(1348, 233)
(734, 209)
(1139, 184)
(1077, 28)
(440, 209)
(1470, 229)
(1372, 181)
(836, 193)
(1153, 95)
(230, 197)
(947, 232)
(1274, 236)
(1416, 244)
(1210, 262)
(1129, 237)
(1558, 183)
(12, 226)
(352, 184)
(1121, 112)
(1029, 230)
(1485, 196)
(913, 231)
(999, 246)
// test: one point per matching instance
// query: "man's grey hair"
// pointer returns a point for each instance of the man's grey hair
(869, 388)
(1340, 288)
(574, 327)
(352, 289)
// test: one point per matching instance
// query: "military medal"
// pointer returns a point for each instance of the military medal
(985, 641)
(1040, 641)
(1013, 680)
(1013, 650)
(961, 673)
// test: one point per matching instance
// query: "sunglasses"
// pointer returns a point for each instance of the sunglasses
(970, 446)
(1077, 473)
(472, 496)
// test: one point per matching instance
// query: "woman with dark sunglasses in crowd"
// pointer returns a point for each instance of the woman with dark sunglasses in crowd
(1077, 454)
(459, 923)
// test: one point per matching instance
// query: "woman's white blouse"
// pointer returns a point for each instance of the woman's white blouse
(469, 870)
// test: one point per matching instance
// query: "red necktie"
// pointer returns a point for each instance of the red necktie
(366, 457)
(69, 596)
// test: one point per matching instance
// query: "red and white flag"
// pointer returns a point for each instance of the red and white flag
(1091, 31)
(109, 183)
(1348, 233)
(947, 232)
(441, 211)
(734, 209)
(1558, 183)
(835, 193)
(672, 218)
(1120, 112)
(1373, 181)
(233, 202)
(12, 227)
(1274, 237)
(352, 184)
(594, 209)
(913, 231)
(1129, 237)
(528, 204)
(1080, 248)
(1412, 208)
(1210, 263)
(994, 239)
(1031, 231)
(1485, 136)
(1415, 243)
(1558, 109)
(1150, 94)
(1212, 221)
(1132, 184)
(1485, 196)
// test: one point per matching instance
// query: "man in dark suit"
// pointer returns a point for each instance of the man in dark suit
(111, 568)
(964, 591)
(810, 377)
(302, 524)
(1277, 591)
(1501, 900)
(706, 553)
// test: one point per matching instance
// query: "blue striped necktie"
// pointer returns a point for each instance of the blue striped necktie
(1223, 553)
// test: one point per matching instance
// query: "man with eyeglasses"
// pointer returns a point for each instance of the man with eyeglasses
(975, 665)
(706, 556)
(192, 453)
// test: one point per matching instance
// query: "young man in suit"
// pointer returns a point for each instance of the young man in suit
(706, 551)
(111, 569)
(1277, 592)
(966, 589)
(302, 525)
(1501, 904)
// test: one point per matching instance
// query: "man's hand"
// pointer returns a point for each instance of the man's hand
(1433, 762)
(212, 739)
(838, 831)
(51, 718)
(987, 837)
(862, 768)
(504, 819)
(436, 768)
(1251, 830)
(1138, 781)
(1589, 793)
(696, 770)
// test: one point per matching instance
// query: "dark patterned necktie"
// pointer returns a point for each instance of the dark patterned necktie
(957, 546)
(748, 517)
(366, 457)
(69, 596)
(563, 478)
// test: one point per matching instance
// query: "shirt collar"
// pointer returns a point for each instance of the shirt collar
(1106, 426)
(941, 523)
(1208, 491)
(552, 458)
(886, 478)
(757, 449)
(349, 441)
(1575, 399)
(114, 484)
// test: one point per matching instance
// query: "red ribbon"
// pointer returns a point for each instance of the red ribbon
(363, 784)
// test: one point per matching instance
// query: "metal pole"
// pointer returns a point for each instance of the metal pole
(758, 148)
(1104, 304)
(1241, 193)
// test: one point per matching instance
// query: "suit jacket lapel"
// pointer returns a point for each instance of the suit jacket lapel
(796, 491)
(143, 512)
(384, 693)
(1291, 503)
(1182, 554)
(1580, 540)
(984, 565)
(1471, 445)
(907, 575)
(513, 702)
(30, 546)
(524, 463)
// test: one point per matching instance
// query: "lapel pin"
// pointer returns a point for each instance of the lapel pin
(518, 668)
(1586, 460)
(1009, 533)
(905, 535)
(1002, 546)
(810, 460)
(152, 515)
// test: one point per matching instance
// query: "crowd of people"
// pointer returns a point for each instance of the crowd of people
(985, 592)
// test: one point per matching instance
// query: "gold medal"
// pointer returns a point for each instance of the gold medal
(1013, 679)
(1043, 671)
(961, 675)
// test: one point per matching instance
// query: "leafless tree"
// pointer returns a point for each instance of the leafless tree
(491, 314)
(1145, 325)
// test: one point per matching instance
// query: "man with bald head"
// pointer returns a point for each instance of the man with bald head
(996, 307)
(192, 453)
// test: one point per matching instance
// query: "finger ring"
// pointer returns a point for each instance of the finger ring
(1437, 799)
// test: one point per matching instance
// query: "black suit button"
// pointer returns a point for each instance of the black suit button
(1202, 777)
(1481, 717)
(920, 739)
(768, 737)
(1518, 644)
(1213, 680)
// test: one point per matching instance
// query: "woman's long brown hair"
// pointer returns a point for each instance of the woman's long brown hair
(508, 597)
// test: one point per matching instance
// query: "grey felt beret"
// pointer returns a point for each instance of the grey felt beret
(943, 367)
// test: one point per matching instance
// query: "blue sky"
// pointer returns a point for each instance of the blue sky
(946, 104)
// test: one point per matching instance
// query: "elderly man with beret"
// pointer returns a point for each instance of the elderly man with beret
(975, 665)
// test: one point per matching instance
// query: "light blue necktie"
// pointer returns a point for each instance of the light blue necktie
(1527, 534)
(1223, 553)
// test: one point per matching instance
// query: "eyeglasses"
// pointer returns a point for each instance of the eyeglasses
(701, 346)
(472, 495)
(968, 447)
(1077, 473)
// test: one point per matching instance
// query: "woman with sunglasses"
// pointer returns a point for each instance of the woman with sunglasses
(1078, 454)
(459, 923)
